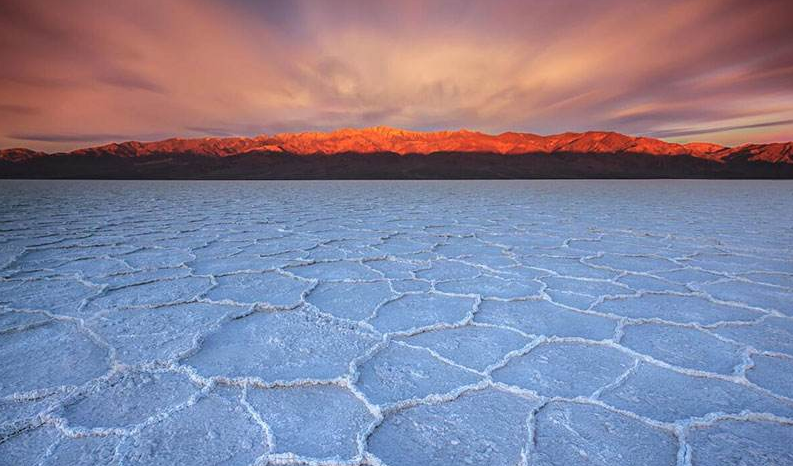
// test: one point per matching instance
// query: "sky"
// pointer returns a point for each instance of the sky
(84, 72)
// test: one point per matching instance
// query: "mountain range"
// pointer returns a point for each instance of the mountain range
(384, 152)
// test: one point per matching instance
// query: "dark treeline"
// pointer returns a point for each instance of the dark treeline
(439, 165)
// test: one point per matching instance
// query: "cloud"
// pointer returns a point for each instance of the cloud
(19, 109)
(130, 80)
(44, 137)
(718, 129)
(244, 67)
(210, 131)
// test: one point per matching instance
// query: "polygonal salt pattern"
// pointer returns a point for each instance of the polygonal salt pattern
(335, 270)
(779, 279)
(752, 294)
(266, 288)
(241, 262)
(739, 263)
(593, 289)
(683, 347)
(49, 356)
(29, 447)
(156, 258)
(213, 430)
(443, 270)
(139, 277)
(83, 450)
(56, 296)
(408, 286)
(565, 369)
(476, 347)
(480, 427)
(350, 300)
(23, 413)
(281, 345)
(492, 287)
(94, 268)
(159, 334)
(688, 276)
(545, 318)
(577, 433)
(568, 266)
(748, 443)
(127, 399)
(772, 373)
(151, 294)
(632, 263)
(670, 396)
(676, 308)
(771, 334)
(389, 323)
(399, 372)
(312, 421)
(651, 283)
(393, 269)
(11, 321)
(412, 312)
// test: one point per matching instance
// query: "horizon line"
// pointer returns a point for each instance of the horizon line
(108, 139)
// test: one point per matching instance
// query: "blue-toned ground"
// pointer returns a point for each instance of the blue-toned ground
(396, 323)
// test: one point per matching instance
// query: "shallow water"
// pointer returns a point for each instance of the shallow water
(534, 322)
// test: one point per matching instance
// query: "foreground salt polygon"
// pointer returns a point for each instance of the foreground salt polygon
(396, 323)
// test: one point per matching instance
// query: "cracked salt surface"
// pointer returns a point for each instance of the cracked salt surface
(396, 323)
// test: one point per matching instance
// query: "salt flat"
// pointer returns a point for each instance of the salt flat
(400, 323)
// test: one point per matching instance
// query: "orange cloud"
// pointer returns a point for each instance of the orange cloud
(88, 71)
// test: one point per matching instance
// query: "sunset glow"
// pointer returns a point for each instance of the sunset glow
(86, 71)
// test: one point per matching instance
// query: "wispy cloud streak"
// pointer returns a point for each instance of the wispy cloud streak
(718, 129)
